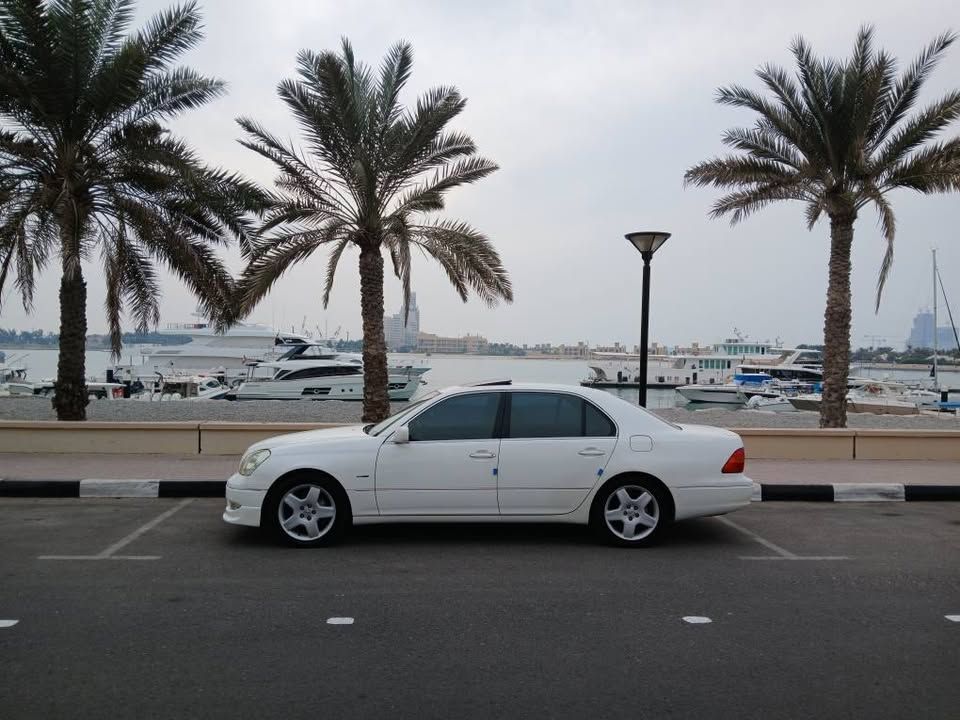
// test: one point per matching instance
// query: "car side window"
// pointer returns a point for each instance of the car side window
(544, 415)
(463, 417)
(595, 423)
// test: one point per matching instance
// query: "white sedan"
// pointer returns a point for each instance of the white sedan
(495, 452)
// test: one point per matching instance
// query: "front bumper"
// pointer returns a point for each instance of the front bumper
(243, 506)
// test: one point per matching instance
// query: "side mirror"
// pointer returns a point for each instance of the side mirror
(401, 435)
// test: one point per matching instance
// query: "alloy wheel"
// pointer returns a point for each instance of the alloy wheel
(631, 513)
(306, 512)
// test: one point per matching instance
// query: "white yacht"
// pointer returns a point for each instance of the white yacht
(320, 379)
(309, 352)
(879, 398)
(711, 367)
(738, 392)
(209, 351)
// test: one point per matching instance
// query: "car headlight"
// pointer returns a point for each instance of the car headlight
(252, 461)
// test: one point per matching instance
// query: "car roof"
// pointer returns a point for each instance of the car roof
(500, 385)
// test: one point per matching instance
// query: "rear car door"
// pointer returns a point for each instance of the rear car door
(554, 447)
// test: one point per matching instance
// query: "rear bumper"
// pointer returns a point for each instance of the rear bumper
(243, 506)
(713, 499)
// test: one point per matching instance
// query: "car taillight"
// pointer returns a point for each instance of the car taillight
(736, 462)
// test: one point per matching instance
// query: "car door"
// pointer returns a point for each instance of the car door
(449, 465)
(554, 447)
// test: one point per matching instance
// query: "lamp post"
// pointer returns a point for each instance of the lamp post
(647, 243)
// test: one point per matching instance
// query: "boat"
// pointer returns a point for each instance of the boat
(166, 388)
(208, 351)
(779, 403)
(310, 351)
(321, 379)
(230, 354)
(876, 397)
(743, 387)
(713, 367)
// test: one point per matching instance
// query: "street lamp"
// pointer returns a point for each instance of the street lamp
(647, 243)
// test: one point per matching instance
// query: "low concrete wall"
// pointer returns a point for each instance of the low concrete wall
(224, 438)
(232, 438)
(51, 436)
(797, 444)
(915, 445)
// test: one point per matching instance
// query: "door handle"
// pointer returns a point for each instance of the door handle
(483, 455)
(591, 452)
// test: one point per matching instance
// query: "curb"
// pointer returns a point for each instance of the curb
(836, 492)
(112, 488)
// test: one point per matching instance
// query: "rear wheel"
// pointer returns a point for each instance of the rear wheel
(630, 513)
(308, 512)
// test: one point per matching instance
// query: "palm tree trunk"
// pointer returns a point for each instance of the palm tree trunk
(836, 325)
(70, 400)
(376, 401)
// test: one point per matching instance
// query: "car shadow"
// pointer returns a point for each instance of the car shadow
(697, 533)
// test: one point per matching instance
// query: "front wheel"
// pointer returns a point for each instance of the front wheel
(631, 513)
(308, 512)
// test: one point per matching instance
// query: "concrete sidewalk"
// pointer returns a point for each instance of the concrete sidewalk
(30, 466)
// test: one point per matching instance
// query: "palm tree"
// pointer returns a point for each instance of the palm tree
(374, 173)
(838, 137)
(87, 168)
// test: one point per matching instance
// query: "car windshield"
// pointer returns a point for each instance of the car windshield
(387, 424)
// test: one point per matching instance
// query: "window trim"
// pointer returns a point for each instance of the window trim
(583, 417)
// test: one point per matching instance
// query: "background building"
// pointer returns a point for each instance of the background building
(921, 334)
(428, 342)
(402, 335)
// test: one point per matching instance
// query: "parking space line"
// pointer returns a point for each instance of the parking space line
(11, 623)
(953, 618)
(781, 553)
(110, 552)
(756, 538)
(340, 621)
(696, 619)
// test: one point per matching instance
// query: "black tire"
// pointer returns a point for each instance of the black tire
(329, 494)
(644, 499)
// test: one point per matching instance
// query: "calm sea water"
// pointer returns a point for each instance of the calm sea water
(451, 370)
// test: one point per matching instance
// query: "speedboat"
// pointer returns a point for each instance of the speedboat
(878, 398)
(320, 380)
(743, 387)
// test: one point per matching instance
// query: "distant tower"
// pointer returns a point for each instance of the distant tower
(921, 334)
(412, 329)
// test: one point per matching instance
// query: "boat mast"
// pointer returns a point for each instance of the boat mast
(936, 351)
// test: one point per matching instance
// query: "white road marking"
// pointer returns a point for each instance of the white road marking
(799, 557)
(782, 553)
(696, 619)
(951, 618)
(756, 538)
(109, 553)
(340, 621)
(11, 623)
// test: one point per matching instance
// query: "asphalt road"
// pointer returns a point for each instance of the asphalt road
(479, 621)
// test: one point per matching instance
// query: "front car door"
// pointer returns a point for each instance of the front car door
(554, 447)
(449, 466)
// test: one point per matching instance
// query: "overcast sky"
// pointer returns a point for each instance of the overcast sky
(593, 110)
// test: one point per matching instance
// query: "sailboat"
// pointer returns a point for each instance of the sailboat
(943, 391)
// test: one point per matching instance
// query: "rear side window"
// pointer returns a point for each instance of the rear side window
(546, 415)
(462, 417)
(595, 423)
